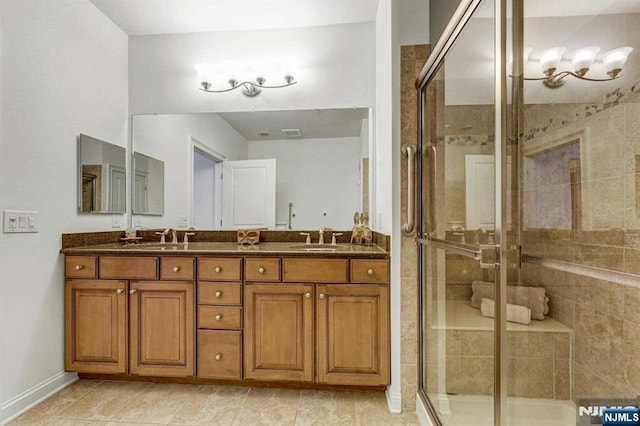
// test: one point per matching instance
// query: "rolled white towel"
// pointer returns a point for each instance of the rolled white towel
(515, 313)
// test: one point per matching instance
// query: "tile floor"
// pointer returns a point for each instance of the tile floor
(102, 403)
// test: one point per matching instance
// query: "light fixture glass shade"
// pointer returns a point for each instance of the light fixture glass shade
(583, 58)
(615, 59)
(525, 54)
(205, 74)
(550, 58)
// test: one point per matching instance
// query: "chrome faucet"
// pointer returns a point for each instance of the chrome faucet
(174, 236)
(321, 240)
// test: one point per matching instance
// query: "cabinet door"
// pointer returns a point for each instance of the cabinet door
(279, 332)
(353, 334)
(96, 326)
(162, 328)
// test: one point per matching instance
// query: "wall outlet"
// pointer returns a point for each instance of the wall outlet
(183, 221)
(20, 221)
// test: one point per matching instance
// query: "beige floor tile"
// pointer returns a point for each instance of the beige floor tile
(326, 408)
(265, 406)
(211, 405)
(104, 402)
(159, 403)
(371, 409)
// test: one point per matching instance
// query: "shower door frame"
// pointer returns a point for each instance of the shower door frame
(463, 14)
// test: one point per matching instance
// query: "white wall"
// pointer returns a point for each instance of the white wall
(319, 176)
(64, 72)
(167, 137)
(334, 66)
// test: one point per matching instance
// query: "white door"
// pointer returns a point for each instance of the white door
(141, 192)
(117, 191)
(479, 177)
(249, 194)
(204, 191)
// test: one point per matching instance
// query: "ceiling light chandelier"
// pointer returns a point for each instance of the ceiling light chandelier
(249, 88)
(581, 60)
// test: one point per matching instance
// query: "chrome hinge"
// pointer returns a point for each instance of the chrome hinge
(518, 257)
(496, 256)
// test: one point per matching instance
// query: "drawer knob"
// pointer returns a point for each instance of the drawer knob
(261, 270)
(176, 269)
(78, 267)
(307, 295)
(217, 269)
(132, 291)
(218, 294)
(218, 357)
(370, 272)
(321, 296)
(119, 291)
(218, 317)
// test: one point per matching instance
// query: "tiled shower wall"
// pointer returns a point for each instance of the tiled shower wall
(412, 60)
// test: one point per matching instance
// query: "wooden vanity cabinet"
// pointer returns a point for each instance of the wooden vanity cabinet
(129, 326)
(96, 326)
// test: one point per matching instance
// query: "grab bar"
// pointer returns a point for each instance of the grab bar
(409, 225)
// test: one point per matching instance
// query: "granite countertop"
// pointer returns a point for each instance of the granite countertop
(226, 248)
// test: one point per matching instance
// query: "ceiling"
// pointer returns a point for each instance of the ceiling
(147, 17)
(324, 123)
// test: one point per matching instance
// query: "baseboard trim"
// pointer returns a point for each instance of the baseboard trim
(394, 401)
(31, 397)
(423, 414)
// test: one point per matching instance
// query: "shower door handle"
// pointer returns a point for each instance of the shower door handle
(431, 221)
(409, 225)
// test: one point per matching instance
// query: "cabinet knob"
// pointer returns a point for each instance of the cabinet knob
(217, 269)
(78, 267)
(370, 272)
(176, 269)
(132, 291)
(218, 294)
(307, 295)
(119, 291)
(321, 296)
(261, 270)
(218, 357)
(218, 317)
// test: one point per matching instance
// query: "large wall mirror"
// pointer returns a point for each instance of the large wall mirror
(320, 166)
(101, 176)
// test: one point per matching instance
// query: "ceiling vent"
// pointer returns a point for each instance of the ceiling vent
(292, 133)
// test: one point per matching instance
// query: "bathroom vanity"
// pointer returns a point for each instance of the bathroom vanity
(212, 310)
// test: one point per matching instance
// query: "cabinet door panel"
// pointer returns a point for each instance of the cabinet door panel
(162, 328)
(220, 354)
(279, 332)
(353, 330)
(95, 326)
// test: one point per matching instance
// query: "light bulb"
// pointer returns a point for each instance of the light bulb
(615, 59)
(550, 58)
(205, 74)
(583, 58)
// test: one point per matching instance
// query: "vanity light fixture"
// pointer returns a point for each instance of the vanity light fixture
(249, 88)
(581, 60)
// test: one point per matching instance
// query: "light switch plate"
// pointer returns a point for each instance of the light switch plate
(20, 221)
(183, 221)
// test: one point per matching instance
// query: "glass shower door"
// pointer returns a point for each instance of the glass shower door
(457, 226)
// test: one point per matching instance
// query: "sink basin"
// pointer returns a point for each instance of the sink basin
(154, 246)
(319, 247)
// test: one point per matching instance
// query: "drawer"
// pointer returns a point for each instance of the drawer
(315, 270)
(262, 269)
(219, 354)
(369, 271)
(219, 317)
(177, 268)
(127, 267)
(80, 266)
(214, 293)
(219, 269)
